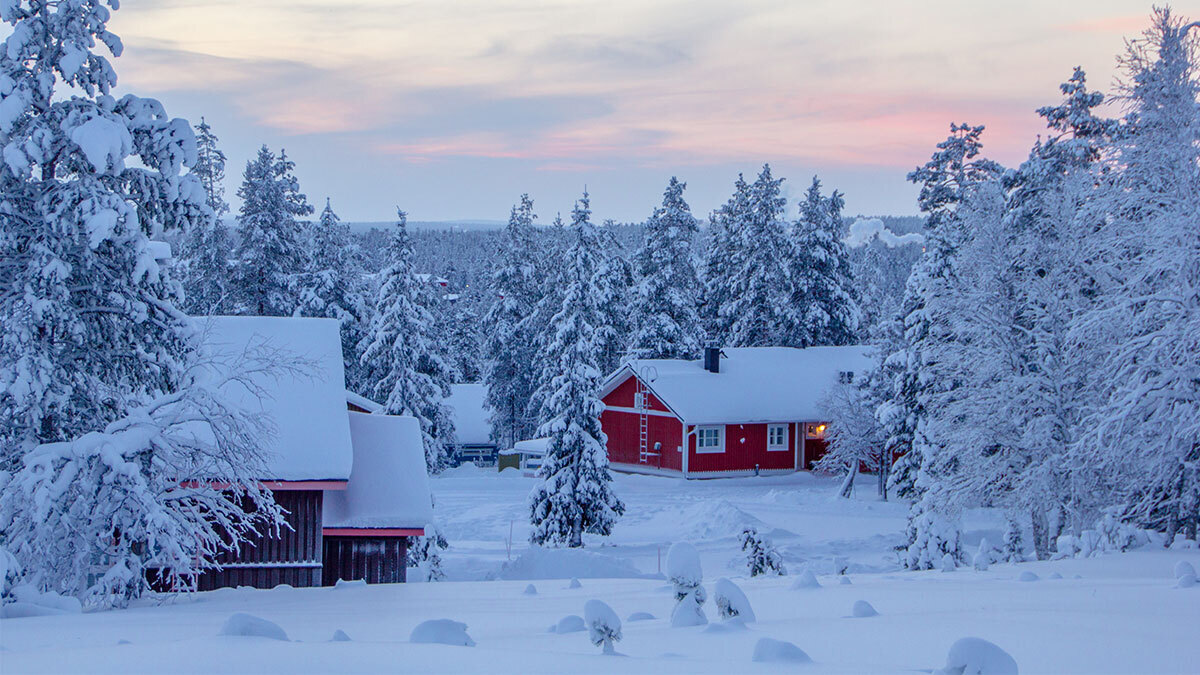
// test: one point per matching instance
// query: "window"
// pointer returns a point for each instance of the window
(709, 439)
(846, 377)
(777, 437)
(816, 430)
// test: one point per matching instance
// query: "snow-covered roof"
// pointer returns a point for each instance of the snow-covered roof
(533, 446)
(362, 402)
(470, 417)
(755, 384)
(388, 487)
(311, 439)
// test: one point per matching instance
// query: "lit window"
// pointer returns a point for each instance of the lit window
(816, 430)
(777, 437)
(708, 439)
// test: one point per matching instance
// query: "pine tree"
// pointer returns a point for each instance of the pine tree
(400, 353)
(945, 181)
(666, 298)
(510, 367)
(722, 257)
(823, 292)
(614, 281)
(574, 493)
(761, 556)
(332, 286)
(210, 168)
(271, 252)
(758, 309)
(539, 324)
(206, 246)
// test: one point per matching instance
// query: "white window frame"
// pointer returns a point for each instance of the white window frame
(780, 447)
(705, 450)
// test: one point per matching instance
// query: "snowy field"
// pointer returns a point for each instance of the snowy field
(1114, 613)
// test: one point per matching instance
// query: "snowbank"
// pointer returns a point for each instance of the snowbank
(442, 632)
(555, 563)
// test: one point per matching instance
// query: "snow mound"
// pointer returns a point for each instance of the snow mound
(574, 583)
(640, 616)
(248, 625)
(806, 580)
(442, 632)
(50, 601)
(716, 520)
(564, 563)
(343, 584)
(1027, 576)
(975, 656)
(21, 610)
(1054, 575)
(863, 609)
(948, 564)
(571, 623)
(1184, 567)
(732, 603)
(768, 650)
(465, 470)
(339, 635)
(845, 581)
(731, 626)
(530, 590)
(1186, 581)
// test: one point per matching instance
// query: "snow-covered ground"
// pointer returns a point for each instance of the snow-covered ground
(1114, 613)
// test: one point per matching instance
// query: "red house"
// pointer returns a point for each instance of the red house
(738, 411)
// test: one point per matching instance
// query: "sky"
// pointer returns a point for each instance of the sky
(450, 109)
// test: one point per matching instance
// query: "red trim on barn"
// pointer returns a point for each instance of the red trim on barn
(373, 531)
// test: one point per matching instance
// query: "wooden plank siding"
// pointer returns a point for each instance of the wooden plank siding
(377, 560)
(293, 556)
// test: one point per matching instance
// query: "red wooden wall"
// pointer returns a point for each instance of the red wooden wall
(293, 556)
(745, 447)
(378, 560)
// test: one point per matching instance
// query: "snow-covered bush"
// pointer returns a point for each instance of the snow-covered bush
(1184, 567)
(530, 589)
(442, 632)
(984, 555)
(571, 623)
(604, 627)
(806, 580)
(683, 570)
(248, 625)
(423, 553)
(862, 610)
(935, 537)
(11, 573)
(768, 650)
(975, 656)
(761, 555)
(731, 602)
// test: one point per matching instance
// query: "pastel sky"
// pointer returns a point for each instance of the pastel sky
(452, 108)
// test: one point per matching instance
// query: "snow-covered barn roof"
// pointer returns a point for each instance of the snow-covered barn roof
(470, 417)
(389, 487)
(360, 401)
(754, 385)
(307, 411)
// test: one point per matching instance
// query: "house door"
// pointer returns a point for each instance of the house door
(814, 443)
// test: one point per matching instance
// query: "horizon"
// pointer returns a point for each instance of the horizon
(454, 124)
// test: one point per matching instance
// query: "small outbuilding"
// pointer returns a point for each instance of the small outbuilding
(473, 432)
(736, 412)
(366, 526)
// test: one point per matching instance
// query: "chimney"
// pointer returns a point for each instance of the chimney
(712, 359)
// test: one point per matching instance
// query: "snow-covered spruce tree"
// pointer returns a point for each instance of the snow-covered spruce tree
(1146, 429)
(574, 492)
(945, 181)
(100, 516)
(271, 252)
(761, 555)
(759, 310)
(332, 287)
(539, 324)
(510, 367)
(206, 246)
(687, 579)
(424, 553)
(613, 282)
(823, 292)
(91, 320)
(400, 355)
(666, 299)
(722, 254)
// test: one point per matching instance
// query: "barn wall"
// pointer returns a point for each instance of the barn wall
(378, 560)
(623, 439)
(293, 556)
(745, 447)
